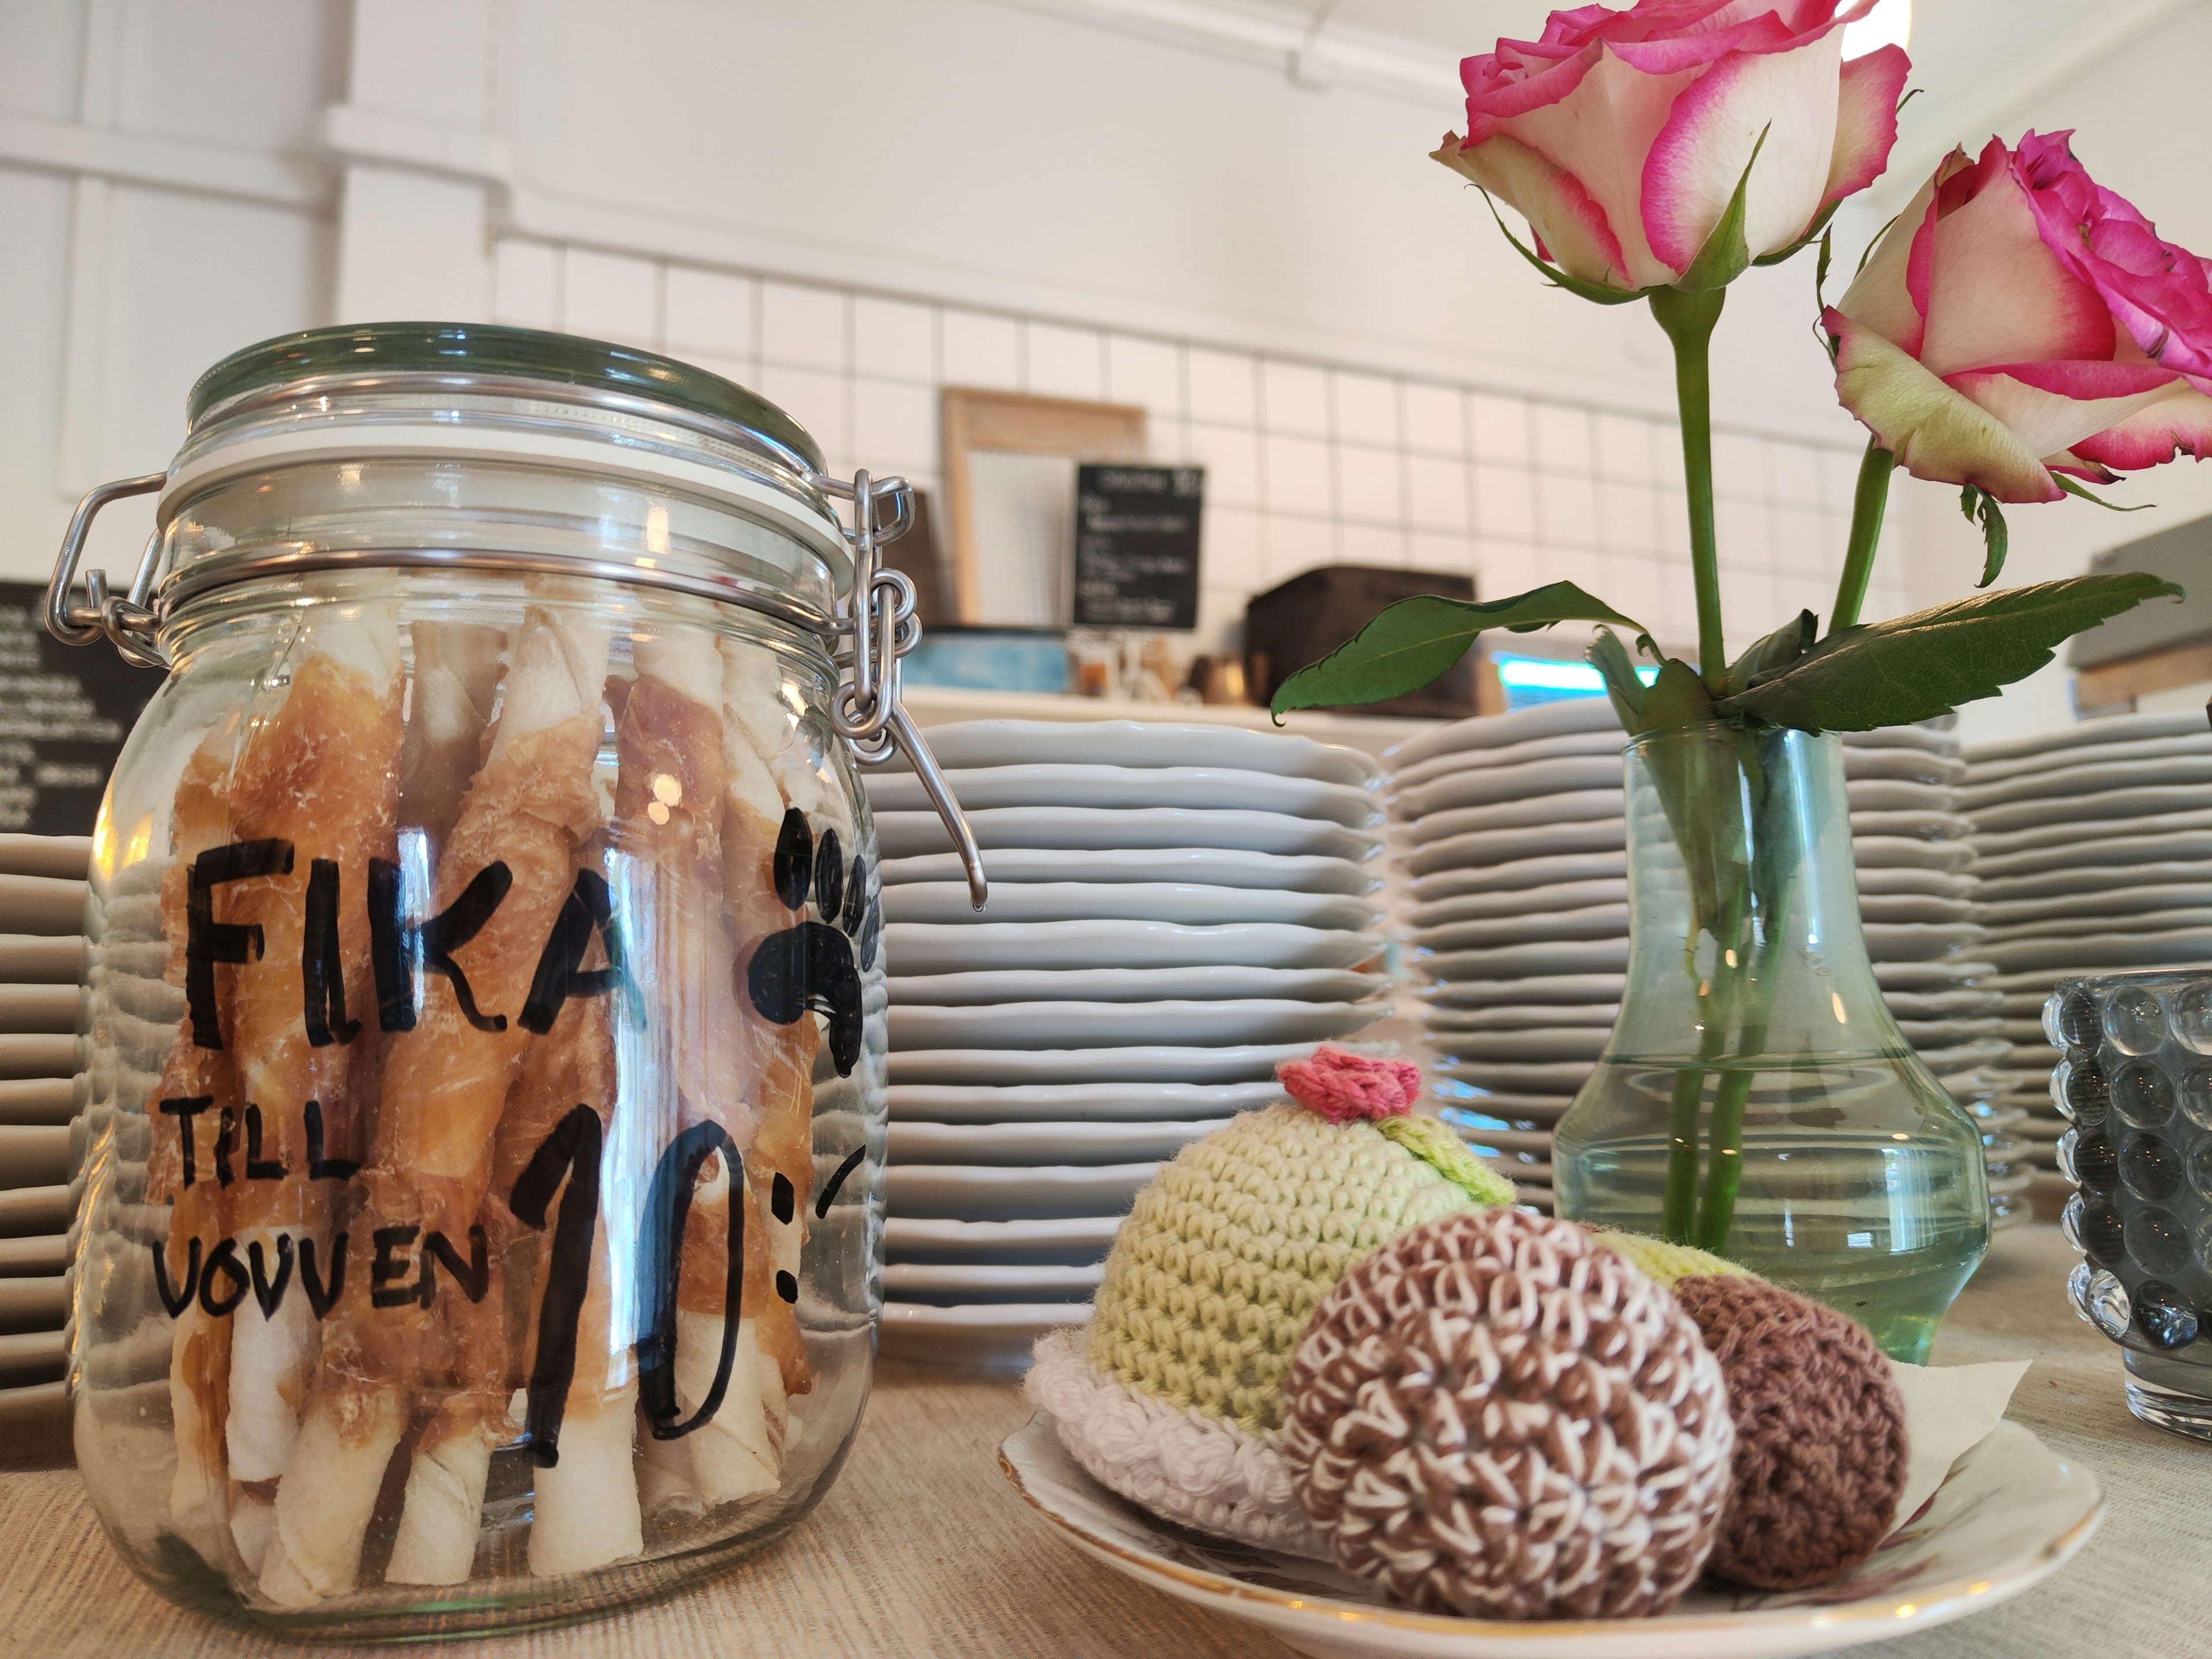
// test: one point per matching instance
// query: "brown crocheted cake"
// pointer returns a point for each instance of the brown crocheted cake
(1494, 1416)
(1821, 1451)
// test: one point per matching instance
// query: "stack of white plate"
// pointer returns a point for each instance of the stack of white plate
(42, 889)
(2093, 848)
(1511, 829)
(1173, 910)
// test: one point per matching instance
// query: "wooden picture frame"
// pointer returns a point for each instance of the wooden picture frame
(975, 419)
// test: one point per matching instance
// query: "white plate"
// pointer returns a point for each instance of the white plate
(2009, 1513)
(987, 1336)
(1067, 1238)
(1521, 875)
(1079, 785)
(953, 1282)
(2105, 918)
(1216, 867)
(1028, 1145)
(2142, 846)
(1578, 807)
(1507, 1105)
(1519, 902)
(1941, 1005)
(2040, 823)
(1985, 772)
(66, 857)
(1134, 985)
(2071, 880)
(1484, 848)
(1512, 754)
(1023, 1025)
(1945, 1033)
(919, 947)
(1520, 1016)
(40, 1303)
(1917, 941)
(1548, 719)
(1931, 883)
(1245, 1063)
(1589, 921)
(1946, 974)
(1483, 786)
(908, 835)
(1092, 1103)
(2098, 773)
(1522, 962)
(1915, 907)
(1582, 1044)
(35, 959)
(1872, 851)
(1908, 765)
(1146, 743)
(1132, 901)
(2117, 728)
(36, 1055)
(2095, 953)
(1558, 1077)
(1913, 825)
(980, 1192)
(1537, 989)
(1898, 795)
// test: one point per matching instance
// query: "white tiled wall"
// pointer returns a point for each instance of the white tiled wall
(1307, 462)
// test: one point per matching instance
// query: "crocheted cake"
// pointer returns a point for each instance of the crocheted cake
(1495, 1416)
(1172, 1395)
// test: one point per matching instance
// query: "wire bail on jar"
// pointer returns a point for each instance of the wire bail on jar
(875, 627)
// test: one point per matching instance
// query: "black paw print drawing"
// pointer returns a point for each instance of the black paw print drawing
(811, 967)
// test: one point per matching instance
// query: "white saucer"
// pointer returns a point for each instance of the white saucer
(913, 947)
(1067, 1238)
(1548, 719)
(1244, 1063)
(1529, 779)
(2142, 846)
(2010, 1513)
(1186, 902)
(985, 986)
(1916, 907)
(1917, 941)
(1511, 1016)
(2117, 728)
(1027, 1025)
(1028, 1145)
(1520, 961)
(1146, 743)
(1989, 772)
(1519, 902)
(966, 1282)
(1421, 773)
(978, 788)
(908, 835)
(2083, 881)
(976, 1192)
(1483, 847)
(1576, 806)
(1092, 1103)
(1537, 990)
(1898, 795)
(2105, 918)
(2098, 773)
(2085, 954)
(1521, 875)
(1582, 1044)
(1216, 866)
(1591, 921)
(2146, 808)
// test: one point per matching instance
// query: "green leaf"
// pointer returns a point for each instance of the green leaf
(1979, 504)
(2073, 489)
(1618, 670)
(1417, 641)
(1595, 292)
(1726, 253)
(1777, 651)
(1821, 269)
(1677, 697)
(1817, 231)
(1916, 667)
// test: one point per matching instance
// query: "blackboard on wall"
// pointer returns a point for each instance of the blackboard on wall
(1136, 545)
(64, 711)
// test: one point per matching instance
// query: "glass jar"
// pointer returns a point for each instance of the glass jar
(482, 1219)
(1754, 1097)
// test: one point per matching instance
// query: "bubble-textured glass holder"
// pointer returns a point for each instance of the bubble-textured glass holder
(2136, 1088)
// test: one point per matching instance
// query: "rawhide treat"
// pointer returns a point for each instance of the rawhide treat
(1172, 1394)
(1820, 1446)
(1495, 1417)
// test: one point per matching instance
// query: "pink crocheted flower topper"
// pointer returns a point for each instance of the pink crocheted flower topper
(1342, 1087)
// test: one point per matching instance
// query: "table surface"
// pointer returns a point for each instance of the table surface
(923, 1548)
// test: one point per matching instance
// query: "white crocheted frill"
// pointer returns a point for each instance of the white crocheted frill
(1194, 1470)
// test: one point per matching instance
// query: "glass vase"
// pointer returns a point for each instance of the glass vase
(1755, 1098)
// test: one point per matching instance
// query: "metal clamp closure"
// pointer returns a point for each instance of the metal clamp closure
(127, 622)
(880, 618)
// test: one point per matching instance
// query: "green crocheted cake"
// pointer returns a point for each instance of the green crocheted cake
(1172, 1395)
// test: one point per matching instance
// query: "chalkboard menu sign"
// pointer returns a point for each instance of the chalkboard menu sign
(64, 711)
(1136, 545)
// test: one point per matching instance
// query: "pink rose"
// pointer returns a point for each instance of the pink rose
(1620, 136)
(2018, 320)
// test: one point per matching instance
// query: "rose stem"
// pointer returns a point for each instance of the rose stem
(1867, 507)
(1688, 316)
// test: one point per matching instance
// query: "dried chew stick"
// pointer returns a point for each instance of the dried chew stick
(530, 809)
(320, 775)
